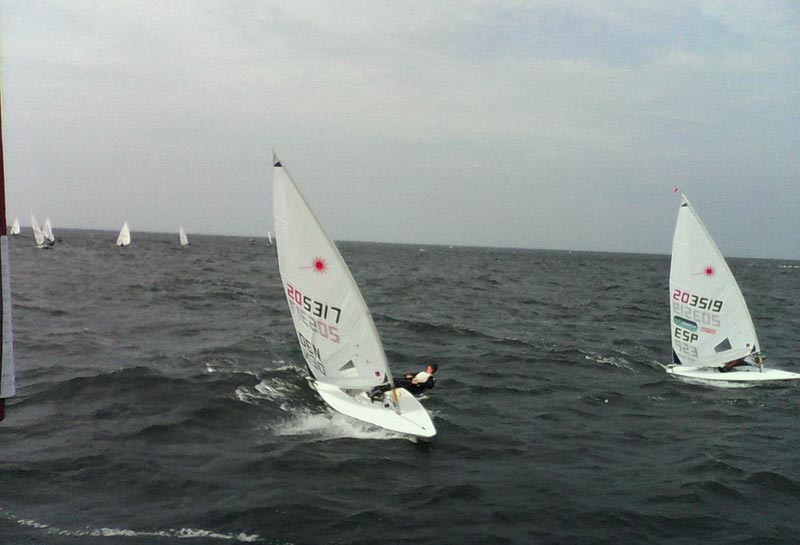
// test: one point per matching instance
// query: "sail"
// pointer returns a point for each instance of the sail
(709, 320)
(333, 325)
(182, 236)
(15, 229)
(38, 235)
(47, 231)
(124, 237)
(269, 237)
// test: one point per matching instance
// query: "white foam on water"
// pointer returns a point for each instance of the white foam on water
(270, 389)
(332, 425)
(620, 363)
(181, 533)
(228, 365)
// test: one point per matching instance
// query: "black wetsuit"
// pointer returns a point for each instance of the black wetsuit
(415, 389)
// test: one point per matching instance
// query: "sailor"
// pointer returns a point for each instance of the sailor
(414, 383)
(420, 378)
(731, 364)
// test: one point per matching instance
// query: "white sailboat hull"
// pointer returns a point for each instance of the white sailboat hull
(412, 420)
(742, 375)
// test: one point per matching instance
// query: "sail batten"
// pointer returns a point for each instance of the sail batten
(709, 319)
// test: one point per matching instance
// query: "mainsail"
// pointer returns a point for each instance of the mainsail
(124, 237)
(709, 319)
(38, 234)
(7, 382)
(334, 327)
(182, 236)
(15, 229)
(47, 231)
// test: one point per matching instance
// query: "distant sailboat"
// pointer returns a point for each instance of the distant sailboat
(47, 231)
(710, 323)
(269, 237)
(337, 336)
(15, 229)
(7, 376)
(124, 237)
(38, 235)
(182, 236)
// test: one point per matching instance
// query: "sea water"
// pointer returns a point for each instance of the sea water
(162, 399)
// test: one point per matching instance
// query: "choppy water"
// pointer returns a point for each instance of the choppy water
(162, 400)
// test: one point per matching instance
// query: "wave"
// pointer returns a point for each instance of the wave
(175, 533)
(613, 361)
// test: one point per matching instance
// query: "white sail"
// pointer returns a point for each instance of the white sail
(269, 237)
(182, 236)
(335, 329)
(15, 229)
(47, 231)
(710, 322)
(38, 235)
(124, 237)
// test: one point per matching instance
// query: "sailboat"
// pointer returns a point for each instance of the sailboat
(15, 229)
(709, 319)
(38, 235)
(337, 336)
(7, 376)
(124, 237)
(47, 231)
(182, 236)
(269, 237)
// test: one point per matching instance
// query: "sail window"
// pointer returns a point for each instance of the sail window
(723, 346)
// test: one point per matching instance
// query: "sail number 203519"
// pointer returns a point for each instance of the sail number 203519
(703, 303)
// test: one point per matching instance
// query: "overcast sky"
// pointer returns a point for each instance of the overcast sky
(537, 124)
